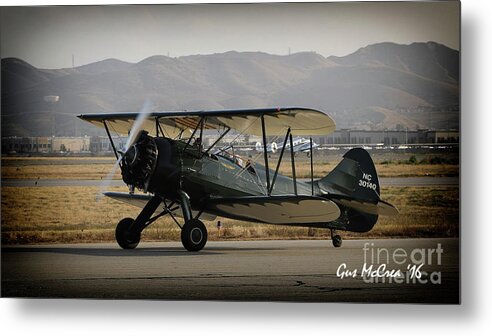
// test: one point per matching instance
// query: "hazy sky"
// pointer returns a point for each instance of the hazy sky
(48, 36)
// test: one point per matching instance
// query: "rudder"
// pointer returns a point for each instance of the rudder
(354, 186)
(355, 177)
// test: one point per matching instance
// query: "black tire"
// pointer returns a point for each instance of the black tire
(337, 241)
(125, 238)
(194, 235)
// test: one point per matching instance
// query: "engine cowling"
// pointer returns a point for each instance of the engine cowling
(139, 162)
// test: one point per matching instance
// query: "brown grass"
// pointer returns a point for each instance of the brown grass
(92, 170)
(55, 158)
(72, 214)
(320, 169)
(75, 172)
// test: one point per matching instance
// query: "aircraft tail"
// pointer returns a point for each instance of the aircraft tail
(258, 147)
(355, 177)
(270, 148)
(354, 186)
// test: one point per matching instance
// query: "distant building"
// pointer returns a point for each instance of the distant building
(45, 144)
(446, 136)
(388, 137)
(102, 145)
(26, 145)
(71, 144)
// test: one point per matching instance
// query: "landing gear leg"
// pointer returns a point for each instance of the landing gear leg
(193, 233)
(128, 230)
(335, 239)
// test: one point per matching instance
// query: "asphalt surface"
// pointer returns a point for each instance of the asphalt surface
(234, 270)
(384, 181)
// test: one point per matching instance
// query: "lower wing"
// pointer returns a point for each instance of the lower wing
(276, 209)
(140, 200)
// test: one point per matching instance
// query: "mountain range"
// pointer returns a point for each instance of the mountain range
(384, 85)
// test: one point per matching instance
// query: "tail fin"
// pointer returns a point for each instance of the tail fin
(270, 148)
(258, 147)
(354, 177)
(354, 186)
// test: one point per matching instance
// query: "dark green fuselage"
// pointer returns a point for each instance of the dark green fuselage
(203, 175)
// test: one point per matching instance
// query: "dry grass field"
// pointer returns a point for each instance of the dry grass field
(303, 170)
(72, 214)
(56, 168)
(98, 168)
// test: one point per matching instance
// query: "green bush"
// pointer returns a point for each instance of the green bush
(412, 160)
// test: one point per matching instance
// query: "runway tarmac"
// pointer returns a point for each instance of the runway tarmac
(301, 270)
(384, 181)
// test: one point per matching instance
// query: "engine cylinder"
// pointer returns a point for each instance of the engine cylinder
(139, 161)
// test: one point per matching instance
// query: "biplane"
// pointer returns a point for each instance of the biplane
(298, 144)
(165, 157)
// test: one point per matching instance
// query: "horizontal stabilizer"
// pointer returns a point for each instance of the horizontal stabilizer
(378, 208)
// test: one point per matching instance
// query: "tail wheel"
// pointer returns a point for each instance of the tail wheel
(194, 235)
(336, 240)
(124, 236)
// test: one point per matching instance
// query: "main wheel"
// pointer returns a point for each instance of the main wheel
(125, 238)
(337, 241)
(194, 235)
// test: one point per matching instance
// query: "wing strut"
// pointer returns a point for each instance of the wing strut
(198, 126)
(217, 141)
(279, 161)
(311, 155)
(110, 139)
(293, 163)
(158, 128)
(265, 154)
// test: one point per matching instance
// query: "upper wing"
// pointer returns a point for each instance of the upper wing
(276, 209)
(302, 121)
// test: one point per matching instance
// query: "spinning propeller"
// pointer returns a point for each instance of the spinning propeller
(129, 154)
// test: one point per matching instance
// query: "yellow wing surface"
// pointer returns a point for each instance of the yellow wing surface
(302, 121)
